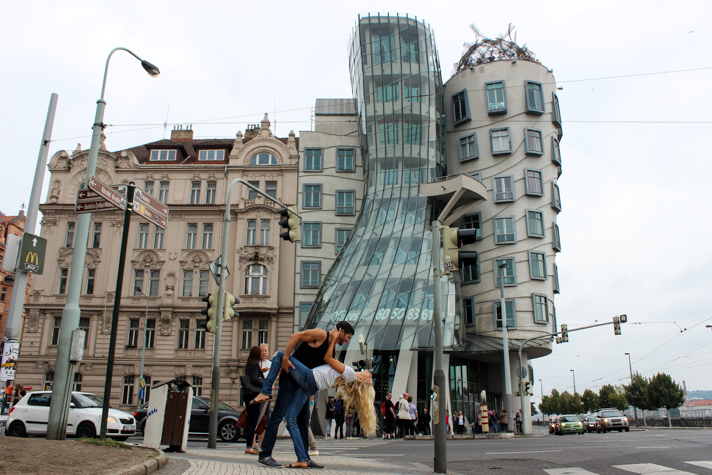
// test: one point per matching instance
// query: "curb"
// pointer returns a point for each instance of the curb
(149, 466)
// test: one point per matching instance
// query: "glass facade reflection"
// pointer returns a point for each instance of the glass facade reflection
(381, 281)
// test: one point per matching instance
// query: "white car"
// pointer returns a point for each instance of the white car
(31, 414)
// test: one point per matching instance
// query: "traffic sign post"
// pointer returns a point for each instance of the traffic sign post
(32, 254)
(107, 192)
(150, 208)
(94, 206)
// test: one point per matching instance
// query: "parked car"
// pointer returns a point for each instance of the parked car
(200, 419)
(612, 419)
(553, 425)
(590, 424)
(569, 424)
(31, 414)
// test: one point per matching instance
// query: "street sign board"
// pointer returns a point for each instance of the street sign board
(141, 392)
(84, 194)
(32, 254)
(94, 206)
(158, 206)
(215, 269)
(149, 214)
(107, 192)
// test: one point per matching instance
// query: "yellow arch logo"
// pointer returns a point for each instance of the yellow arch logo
(32, 258)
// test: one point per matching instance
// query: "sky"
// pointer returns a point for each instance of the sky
(635, 95)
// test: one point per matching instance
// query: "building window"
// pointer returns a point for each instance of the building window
(84, 325)
(49, 379)
(203, 283)
(163, 192)
(556, 114)
(511, 313)
(460, 107)
(77, 385)
(138, 282)
(388, 133)
(263, 159)
(63, 276)
(535, 97)
(256, 280)
(345, 203)
(533, 182)
(411, 93)
(142, 236)
(163, 155)
(556, 279)
(304, 309)
(534, 145)
(197, 385)
(468, 148)
(210, 193)
(555, 197)
(247, 334)
(556, 241)
(153, 286)
(537, 265)
(158, 238)
(200, 338)
(495, 97)
(263, 332)
(207, 236)
(271, 189)
(311, 235)
(345, 160)
(3, 294)
(251, 232)
(499, 138)
(55, 330)
(96, 242)
(69, 242)
(312, 160)
(411, 133)
(473, 221)
(382, 46)
(509, 273)
(504, 230)
(390, 93)
(91, 274)
(469, 309)
(187, 283)
(133, 333)
(191, 236)
(150, 332)
(183, 334)
(535, 223)
(211, 155)
(252, 194)
(342, 234)
(195, 193)
(128, 389)
(148, 187)
(503, 188)
(312, 196)
(470, 273)
(264, 232)
(390, 176)
(476, 176)
(310, 275)
(555, 151)
(541, 308)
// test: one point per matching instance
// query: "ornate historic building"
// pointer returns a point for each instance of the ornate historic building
(170, 266)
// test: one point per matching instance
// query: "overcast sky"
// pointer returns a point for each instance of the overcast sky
(636, 217)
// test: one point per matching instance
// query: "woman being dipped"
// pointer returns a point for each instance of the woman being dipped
(357, 387)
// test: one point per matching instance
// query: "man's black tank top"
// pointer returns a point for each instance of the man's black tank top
(312, 357)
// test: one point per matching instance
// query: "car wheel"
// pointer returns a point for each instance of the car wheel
(599, 431)
(627, 429)
(17, 429)
(228, 431)
(123, 438)
(620, 430)
(86, 430)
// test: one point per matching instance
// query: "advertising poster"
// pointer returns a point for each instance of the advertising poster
(10, 350)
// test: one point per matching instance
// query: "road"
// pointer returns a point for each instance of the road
(689, 451)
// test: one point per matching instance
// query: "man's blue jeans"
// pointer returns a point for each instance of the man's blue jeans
(295, 389)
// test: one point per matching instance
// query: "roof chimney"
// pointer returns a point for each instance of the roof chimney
(180, 133)
(252, 131)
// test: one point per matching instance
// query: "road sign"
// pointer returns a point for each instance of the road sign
(107, 192)
(94, 206)
(141, 392)
(32, 254)
(148, 200)
(215, 269)
(149, 214)
(522, 373)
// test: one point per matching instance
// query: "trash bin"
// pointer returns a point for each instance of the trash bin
(168, 416)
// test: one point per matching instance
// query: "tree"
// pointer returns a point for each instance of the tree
(637, 394)
(534, 411)
(550, 404)
(589, 401)
(575, 405)
(664, 392)
(612, 396)
(564, 403)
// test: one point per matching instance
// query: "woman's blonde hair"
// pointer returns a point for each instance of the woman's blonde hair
(362, 395)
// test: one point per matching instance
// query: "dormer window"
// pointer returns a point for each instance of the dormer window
(211, 155)
(264, 159)
(163, 155)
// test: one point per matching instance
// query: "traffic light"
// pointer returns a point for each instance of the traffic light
(290, 222)
(210, 311)
(230, 300)
(435, 396)
(454, 257)
(527, 385)
(617, 325)
(564, 333)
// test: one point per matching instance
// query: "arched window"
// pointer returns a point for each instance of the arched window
(264, 159)
(256, 280)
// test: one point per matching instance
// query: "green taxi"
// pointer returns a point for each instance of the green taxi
(570, 424)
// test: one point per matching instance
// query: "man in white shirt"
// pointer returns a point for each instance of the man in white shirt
(265, 365)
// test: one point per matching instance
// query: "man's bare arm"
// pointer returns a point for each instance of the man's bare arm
(305, 336)
(329, 356)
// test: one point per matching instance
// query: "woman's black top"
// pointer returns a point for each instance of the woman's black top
(256, 377)
(330, 409)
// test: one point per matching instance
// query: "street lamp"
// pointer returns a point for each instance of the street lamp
(573, 373)
(143, 348)
(505, 344)
(63, 372)
(630, 366)
(542, 387)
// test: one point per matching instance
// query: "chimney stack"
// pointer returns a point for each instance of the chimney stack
(182, 134)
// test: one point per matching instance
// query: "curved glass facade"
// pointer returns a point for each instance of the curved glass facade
(381, 282)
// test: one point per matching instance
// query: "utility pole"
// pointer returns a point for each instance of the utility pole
(630, 366)
(439, 429)
(505, 347)
(573, 374)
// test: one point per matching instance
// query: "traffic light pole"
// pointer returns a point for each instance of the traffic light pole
(439, 429)
(215, 383)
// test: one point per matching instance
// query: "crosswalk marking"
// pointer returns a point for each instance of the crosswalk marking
(702, 463)
(651, 469)
(568, 471)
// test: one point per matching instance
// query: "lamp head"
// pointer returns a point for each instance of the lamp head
(362, 344)
(150, 68)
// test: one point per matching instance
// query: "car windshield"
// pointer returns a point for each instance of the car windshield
(591, 419)
(569, 419)
(610, 414)
(225, 407)
(88, 400)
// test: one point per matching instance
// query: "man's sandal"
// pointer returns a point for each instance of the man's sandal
(291, 465)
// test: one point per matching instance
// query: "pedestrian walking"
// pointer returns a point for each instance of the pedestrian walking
(329, 415)
(254, 379)
(390, 417)
(406, 423)
(19, 393)
(493, 420)
(413, 411)
(339, 415)
(447, 422)
(504, 421)
(461, 423)
(265, 365)
(350, 416)
(424, 422)
(518, 422)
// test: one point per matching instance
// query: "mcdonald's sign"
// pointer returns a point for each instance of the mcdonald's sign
(32, 254)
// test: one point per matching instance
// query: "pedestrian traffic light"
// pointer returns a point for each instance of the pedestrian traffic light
(527, 385)
(230, 300)
(617, 325)
(453, 238)
(564, 333)
(290, 222)
(435, 396)
(210, 312)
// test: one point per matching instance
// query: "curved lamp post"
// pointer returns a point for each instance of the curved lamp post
(64, 370)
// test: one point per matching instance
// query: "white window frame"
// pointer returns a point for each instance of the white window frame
(533, 265)
(533, 182)
(537, 308)
(195, 187)
(211, 155)
(530, 231)
(163, 155)
(537, 138)
(191, 236)
(467, 147)
(498, 321)
(503, 138)
(509, 273)
(210, 191)
(535, 100)
(513, 222)
(500, 185)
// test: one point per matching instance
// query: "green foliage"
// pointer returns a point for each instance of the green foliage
(534, 411)
(637, 393)
(589, 400)
(107, 443)
(613, 396)
(550, 404)
(564, 402)
(664, 392)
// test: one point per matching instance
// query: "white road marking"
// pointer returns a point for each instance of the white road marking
(529, 452)
(702, 463)
(651, 469)
(652, 447)
(568, 471)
